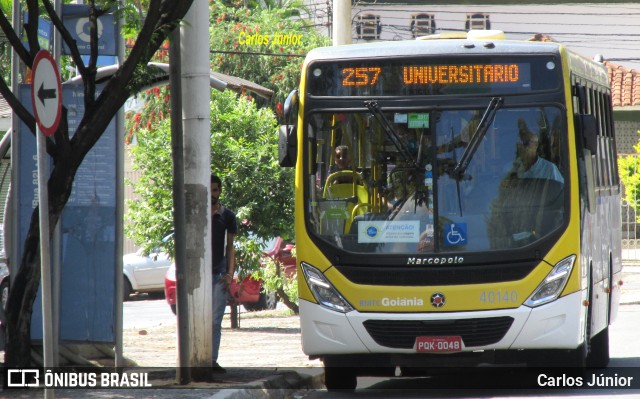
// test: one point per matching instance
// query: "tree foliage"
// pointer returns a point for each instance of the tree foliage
(68, 149)
(234, 36)
(629, 167)
(265, 45)
(5, 46)
(150, 219)
(244, 154)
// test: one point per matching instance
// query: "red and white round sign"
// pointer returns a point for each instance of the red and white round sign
(46, 93)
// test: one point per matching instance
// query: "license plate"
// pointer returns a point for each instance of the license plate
(439, 344)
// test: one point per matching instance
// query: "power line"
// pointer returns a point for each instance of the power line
(256, 53)
(625, 35)
(622, 35)
(622, 59)
(494, 21)
(493, 12)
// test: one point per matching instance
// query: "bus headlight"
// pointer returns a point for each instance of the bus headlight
(553, 284)
(324, 292)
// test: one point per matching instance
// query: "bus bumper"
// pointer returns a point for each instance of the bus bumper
(556, 325)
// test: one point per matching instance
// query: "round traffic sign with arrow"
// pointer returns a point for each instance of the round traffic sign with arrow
(46, 93)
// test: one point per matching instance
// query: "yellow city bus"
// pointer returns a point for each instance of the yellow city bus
(475, 217)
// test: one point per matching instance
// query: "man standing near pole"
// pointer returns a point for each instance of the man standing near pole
(223, 229)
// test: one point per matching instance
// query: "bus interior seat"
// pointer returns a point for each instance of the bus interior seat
(349, 195)
(334, 214)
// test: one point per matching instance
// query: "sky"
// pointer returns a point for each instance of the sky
(611, 30)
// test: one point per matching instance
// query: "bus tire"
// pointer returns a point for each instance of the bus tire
(127, 290)
(599, 350)
(577, 358)
(599, 345)
(340, 378)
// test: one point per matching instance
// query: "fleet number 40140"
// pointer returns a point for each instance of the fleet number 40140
(499, 296)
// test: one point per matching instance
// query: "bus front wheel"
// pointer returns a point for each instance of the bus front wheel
(338, 378)
(599, 349)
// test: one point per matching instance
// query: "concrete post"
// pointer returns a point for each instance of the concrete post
(197, 170)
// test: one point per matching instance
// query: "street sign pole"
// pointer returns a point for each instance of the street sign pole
(46, 96)
(45, 254)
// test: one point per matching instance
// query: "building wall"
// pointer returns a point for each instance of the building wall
(626, 136)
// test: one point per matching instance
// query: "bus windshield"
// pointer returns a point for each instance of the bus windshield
(390, 182)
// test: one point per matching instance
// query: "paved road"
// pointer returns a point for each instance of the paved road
(144, 312)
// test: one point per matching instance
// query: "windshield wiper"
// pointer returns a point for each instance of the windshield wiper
(476, 139)
(375, 110)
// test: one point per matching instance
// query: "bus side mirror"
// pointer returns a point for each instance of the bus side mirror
(588, 127)
(287, 146)
(288, 136)
(291, 106)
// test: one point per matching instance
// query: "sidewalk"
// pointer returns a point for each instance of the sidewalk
(263, 359)
(631, 284)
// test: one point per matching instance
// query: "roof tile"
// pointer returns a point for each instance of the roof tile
(625, 85)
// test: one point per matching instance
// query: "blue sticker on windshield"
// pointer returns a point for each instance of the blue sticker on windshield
(455, 234)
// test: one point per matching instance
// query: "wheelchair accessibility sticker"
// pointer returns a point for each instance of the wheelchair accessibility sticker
(455, 234)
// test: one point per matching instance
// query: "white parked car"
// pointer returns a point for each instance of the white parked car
(145, 273)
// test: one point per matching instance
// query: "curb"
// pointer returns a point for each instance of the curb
(275, 387)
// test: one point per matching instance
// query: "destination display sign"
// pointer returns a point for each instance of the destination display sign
(435, 76)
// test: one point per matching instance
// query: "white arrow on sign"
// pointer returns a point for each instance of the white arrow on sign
(46, 93)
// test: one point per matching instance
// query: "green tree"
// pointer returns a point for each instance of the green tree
(67, 148)
(263, 45)
(629, 167)
(244, 154)
(267, 206)
(235, 33)
(5, 46)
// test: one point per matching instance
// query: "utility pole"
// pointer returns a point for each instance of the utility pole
(329, 19)
(341, 22)
(177, 154)
(197, 170)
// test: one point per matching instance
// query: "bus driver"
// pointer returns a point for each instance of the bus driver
(528, 164)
